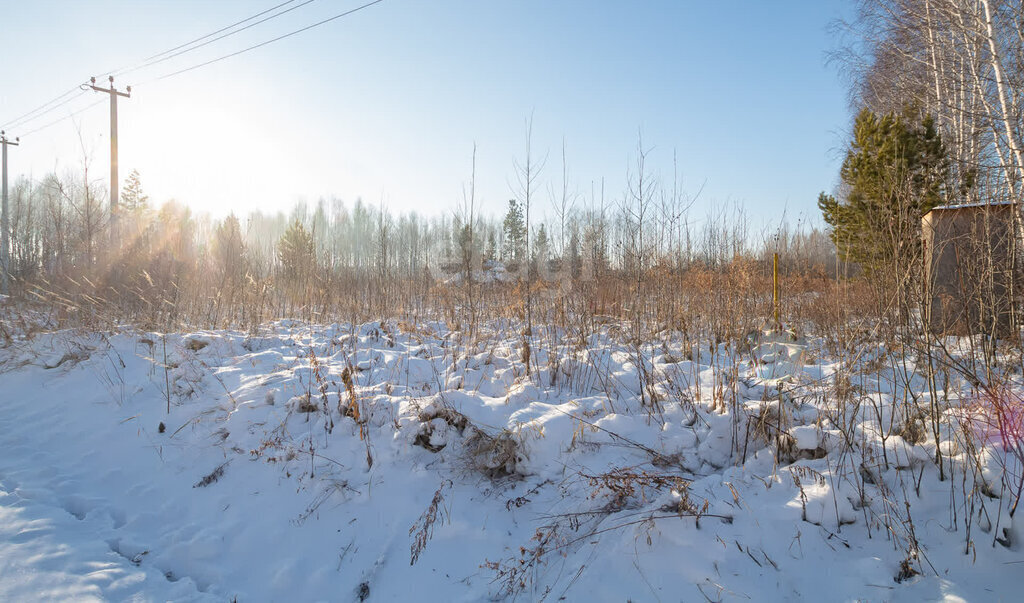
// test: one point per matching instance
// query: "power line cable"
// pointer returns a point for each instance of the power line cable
(170, 54)
(66, 117)
(139, 65)
(47, 108)
(21, 119)
(200, 39)
(271, 41)
(56, 103)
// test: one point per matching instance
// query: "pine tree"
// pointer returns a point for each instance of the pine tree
(295, 253)
(541, 249)
(895, 172)
(515, 233)
(229, 251)
(132, 197)
(492, 247)
(464, 238)
(575, 260)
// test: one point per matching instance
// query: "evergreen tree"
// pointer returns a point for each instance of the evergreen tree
(464, 238)
(295, 253)
(132, 197)
(895, 172)
(541, 251)
(575, 260)
(229, 251)
(492, 246)
(515, 233)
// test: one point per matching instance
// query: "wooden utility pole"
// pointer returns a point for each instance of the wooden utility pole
(5, 221)
(113, 148)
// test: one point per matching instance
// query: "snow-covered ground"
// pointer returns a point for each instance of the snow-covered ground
(388, 461)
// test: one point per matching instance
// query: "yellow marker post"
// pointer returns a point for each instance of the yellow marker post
(775, 289)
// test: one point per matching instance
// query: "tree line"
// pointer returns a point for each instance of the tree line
(62, 243)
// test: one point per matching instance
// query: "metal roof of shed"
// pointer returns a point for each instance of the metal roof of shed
(972, 205)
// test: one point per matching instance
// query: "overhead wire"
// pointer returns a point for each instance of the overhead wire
(213, 33)
(31, 115)
(271, 41)
(170, 54)
(66, 117)
(62, 100)
(138, 65)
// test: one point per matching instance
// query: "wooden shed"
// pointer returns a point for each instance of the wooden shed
(970, 268)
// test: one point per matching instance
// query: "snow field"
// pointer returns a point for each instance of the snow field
(351, 462)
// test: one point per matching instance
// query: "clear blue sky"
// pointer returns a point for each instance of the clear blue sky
(387, 103)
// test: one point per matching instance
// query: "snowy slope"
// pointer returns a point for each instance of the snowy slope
(274, 480)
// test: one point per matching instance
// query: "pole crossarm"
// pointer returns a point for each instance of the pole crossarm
(113, 90)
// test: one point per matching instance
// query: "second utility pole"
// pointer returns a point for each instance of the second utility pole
(5, 221)
(113, 150)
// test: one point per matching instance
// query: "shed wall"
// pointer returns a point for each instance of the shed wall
(969, 269)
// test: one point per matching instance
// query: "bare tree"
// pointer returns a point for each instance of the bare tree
(527, 174)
